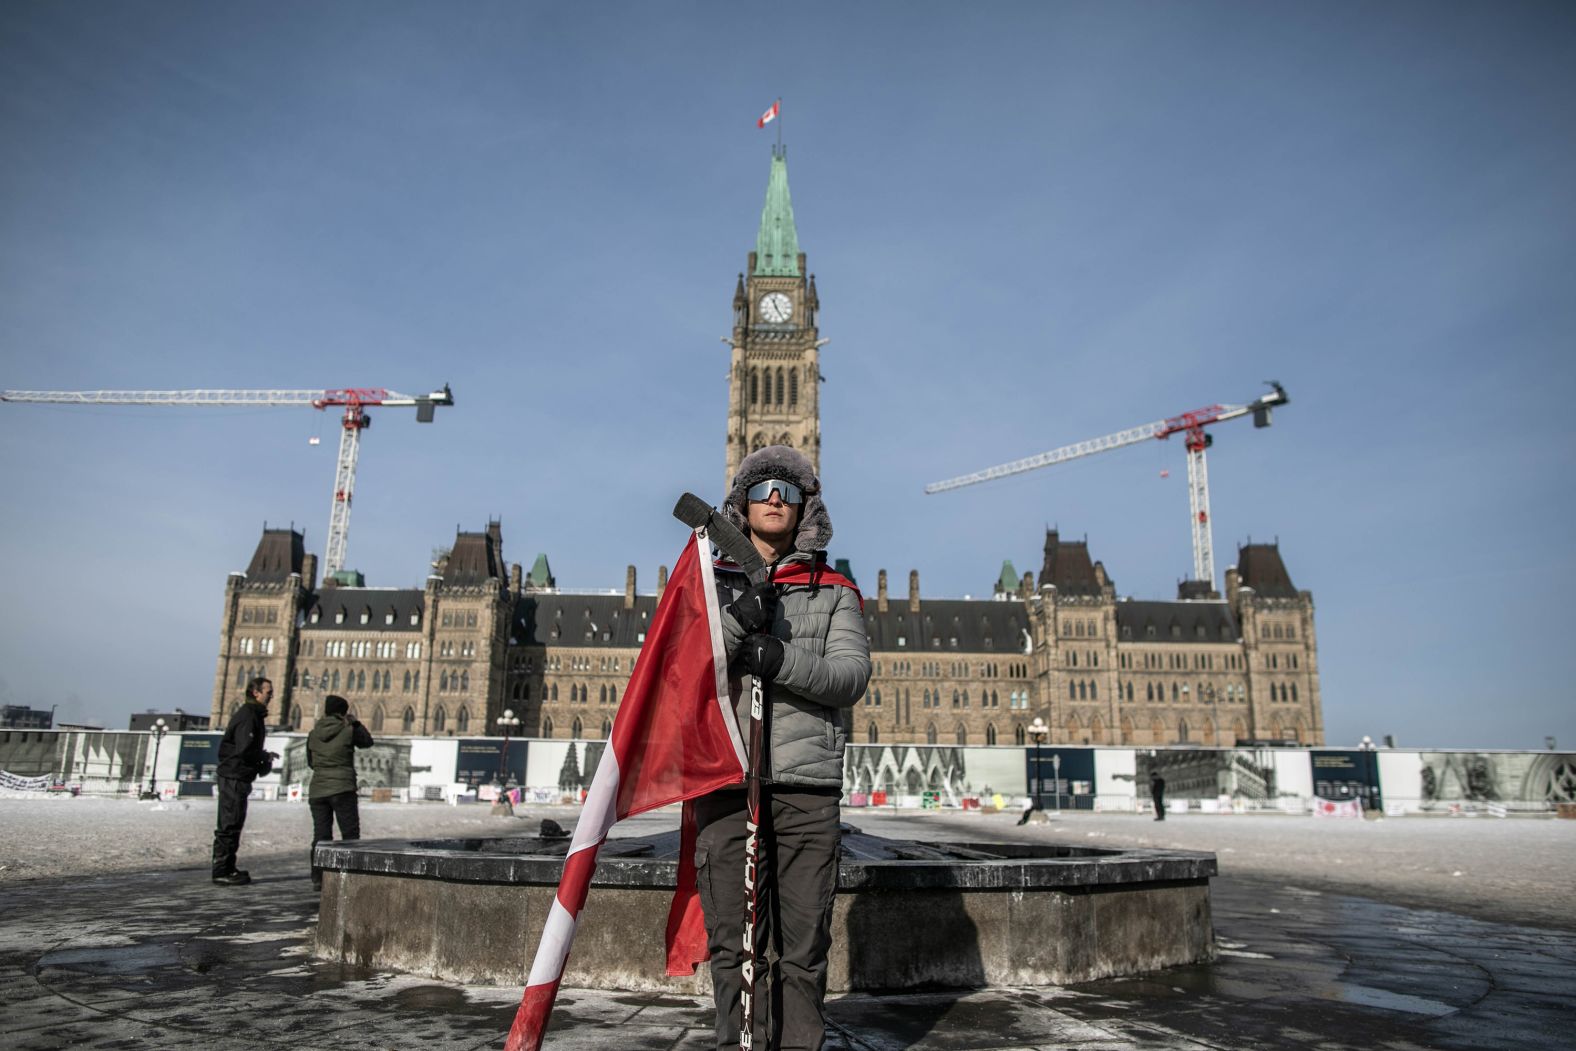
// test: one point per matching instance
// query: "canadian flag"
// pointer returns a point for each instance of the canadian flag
(674, 738)
(770, 115)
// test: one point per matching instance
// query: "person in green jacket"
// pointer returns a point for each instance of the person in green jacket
(331, 753)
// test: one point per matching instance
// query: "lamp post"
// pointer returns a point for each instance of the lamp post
(502, 805)
(1038, 730)
(159, 730)
(1056, 780)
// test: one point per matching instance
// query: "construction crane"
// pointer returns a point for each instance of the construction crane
(354, 400)
(1190, 423)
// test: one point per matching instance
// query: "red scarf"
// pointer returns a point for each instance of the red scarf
(803, 573)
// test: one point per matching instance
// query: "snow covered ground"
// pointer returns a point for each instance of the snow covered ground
(1510, 870)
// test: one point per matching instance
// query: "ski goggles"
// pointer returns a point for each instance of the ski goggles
(762, 491)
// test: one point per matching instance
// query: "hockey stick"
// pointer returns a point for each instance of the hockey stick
(697, 514)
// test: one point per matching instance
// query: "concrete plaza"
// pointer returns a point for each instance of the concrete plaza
(164, 959)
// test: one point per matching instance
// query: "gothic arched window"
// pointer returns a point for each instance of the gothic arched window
(755, 386)
(930, 733)
(439, 718)
(1094, 691)
(779, 386)
(408, 721)
(607, 727)
(793, 387)
(377, 718)
(462, 719)
(962, 734)
(872, 735)
(576, 729)
(547, 727)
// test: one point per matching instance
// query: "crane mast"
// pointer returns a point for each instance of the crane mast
(354, 400)
(1191, 424)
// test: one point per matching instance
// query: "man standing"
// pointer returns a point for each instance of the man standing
(241, 760)
(1157, 793)
(331, 753)
(802, 633)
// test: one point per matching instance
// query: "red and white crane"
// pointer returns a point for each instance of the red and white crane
(354, 400)
(1190, 423)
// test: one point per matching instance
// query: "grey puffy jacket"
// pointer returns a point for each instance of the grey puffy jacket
(826, 667)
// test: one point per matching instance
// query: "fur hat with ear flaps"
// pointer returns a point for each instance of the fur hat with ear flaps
(790, 465)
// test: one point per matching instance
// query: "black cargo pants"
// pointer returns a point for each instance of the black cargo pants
(233, 794)
(798, 867)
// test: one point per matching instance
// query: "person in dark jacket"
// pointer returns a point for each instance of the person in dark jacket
(1157, 793)
(331, 753)
(242, 759)
(807, 640)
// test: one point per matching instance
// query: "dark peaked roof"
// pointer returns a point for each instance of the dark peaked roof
(1067, 566)
(1259, 567)
(979, 626)
(1175, 622)
(279, 553)
(476, 558)
(581, 620)
(342, 608)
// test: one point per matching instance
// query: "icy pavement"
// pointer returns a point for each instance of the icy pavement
(1515, 870)
(164, 959)
(167, 960)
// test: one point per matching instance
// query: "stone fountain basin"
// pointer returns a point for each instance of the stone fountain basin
(907, 914)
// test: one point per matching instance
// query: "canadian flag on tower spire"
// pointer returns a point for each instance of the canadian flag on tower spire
(770, 115)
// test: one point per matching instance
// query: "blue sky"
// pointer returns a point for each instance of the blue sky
(1029, 223)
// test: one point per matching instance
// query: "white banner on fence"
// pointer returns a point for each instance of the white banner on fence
(1337, 808)
(17, 783)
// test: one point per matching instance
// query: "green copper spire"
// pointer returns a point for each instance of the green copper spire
(1009, 577)
(541, 576)
(777, 246)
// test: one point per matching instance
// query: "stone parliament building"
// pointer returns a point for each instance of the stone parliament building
(482, 635)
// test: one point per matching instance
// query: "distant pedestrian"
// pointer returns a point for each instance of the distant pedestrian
(242, 759)
(1029, 807)
(1157, 792)
(331, 753)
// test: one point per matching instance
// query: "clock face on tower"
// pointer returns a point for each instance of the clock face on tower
(776, 308)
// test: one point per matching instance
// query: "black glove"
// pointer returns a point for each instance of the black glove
(755, 608)
(762, 655)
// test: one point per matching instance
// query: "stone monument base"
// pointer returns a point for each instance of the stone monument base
(907, 914)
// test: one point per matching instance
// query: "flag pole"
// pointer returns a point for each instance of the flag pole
(779, 125)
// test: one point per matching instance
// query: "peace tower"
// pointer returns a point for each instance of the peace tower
(773, 392)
